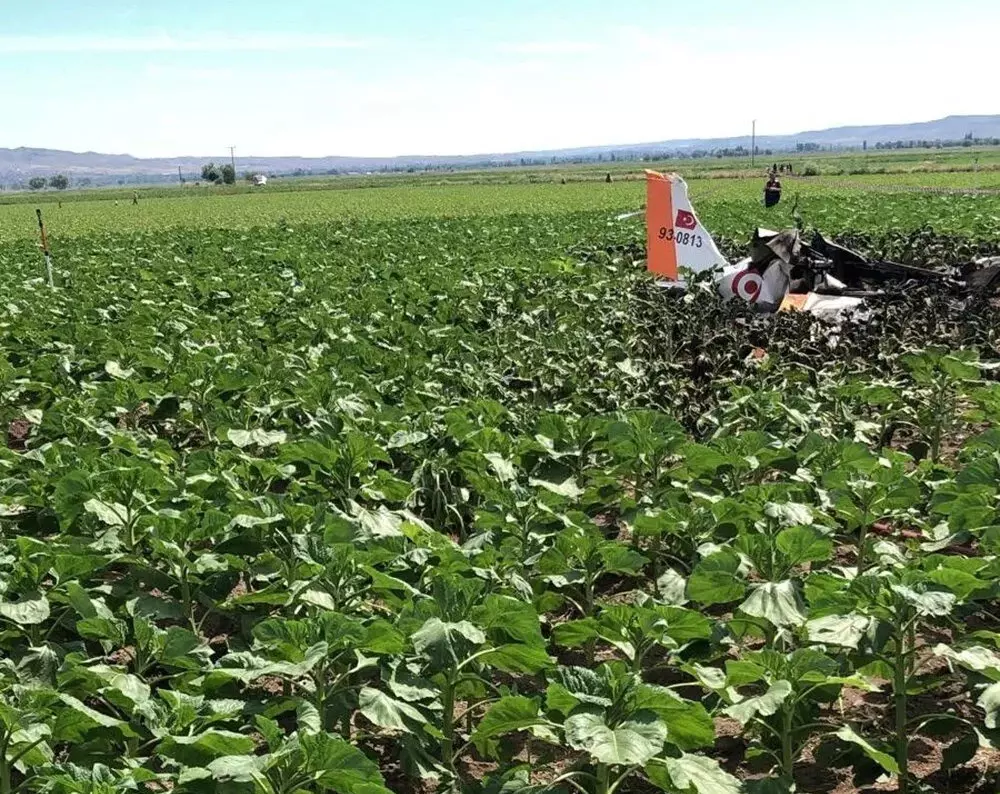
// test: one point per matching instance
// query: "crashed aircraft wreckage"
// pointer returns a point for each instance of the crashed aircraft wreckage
(782, 273)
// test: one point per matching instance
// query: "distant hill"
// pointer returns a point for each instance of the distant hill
(19, 165)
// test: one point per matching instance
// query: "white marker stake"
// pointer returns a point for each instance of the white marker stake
(45, 249)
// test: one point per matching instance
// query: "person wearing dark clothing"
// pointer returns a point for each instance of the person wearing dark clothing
(772, 191)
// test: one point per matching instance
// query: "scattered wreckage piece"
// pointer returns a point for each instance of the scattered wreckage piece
(852, 268)
(985, 278)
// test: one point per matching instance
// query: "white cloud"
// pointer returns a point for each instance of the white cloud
(550, 48)
(248, 42)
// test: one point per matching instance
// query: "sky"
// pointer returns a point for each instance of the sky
(394, 77)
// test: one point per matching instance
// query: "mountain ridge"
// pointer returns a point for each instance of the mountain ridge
(23, 162)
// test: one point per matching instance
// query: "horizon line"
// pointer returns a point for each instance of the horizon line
(507, 153)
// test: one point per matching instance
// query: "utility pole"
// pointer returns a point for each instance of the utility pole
(180, 176)
(753, 142)
(232, 157)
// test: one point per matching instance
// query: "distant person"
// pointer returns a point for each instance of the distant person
(607, 179)
(772, 191)
(135, 198)
(774, 168)
(789, 168)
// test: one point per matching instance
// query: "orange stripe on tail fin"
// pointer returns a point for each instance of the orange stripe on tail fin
(661, 253)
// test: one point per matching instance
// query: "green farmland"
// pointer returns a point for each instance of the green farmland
(728, 207)
(414, 487)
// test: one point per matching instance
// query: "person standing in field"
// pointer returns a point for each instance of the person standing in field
(135, 198)
(772, 190)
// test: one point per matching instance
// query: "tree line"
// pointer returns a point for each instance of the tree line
(216, 174)
(966, 142)
(59, 182)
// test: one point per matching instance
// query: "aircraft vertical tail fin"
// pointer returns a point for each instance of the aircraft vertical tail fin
(675, 237)
(661, 254)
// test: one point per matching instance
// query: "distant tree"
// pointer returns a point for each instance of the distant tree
(59, 182)
(228, 174)
(210, 173)
(36, 182)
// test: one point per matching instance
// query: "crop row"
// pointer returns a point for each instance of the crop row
(729, 207)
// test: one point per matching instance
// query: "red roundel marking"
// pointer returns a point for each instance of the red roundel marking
(747, 285)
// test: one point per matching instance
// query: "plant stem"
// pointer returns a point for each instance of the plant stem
(862, 546)
(654, 552)
(603, 779)
(448, 723)
(787, 753)
(637, 660)
(4, 766)
(186, 600)
(588, 605)
(899, 697)
(911, 644)
(940, 414)
(319, 699)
